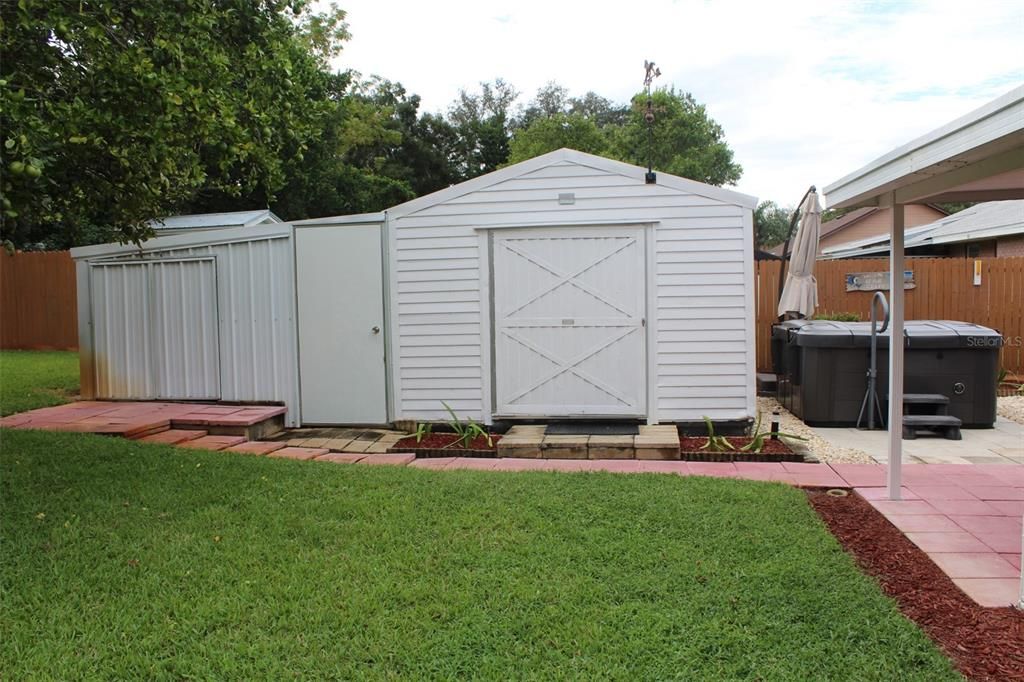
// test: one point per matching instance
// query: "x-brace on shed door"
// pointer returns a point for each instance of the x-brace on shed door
(569, 326)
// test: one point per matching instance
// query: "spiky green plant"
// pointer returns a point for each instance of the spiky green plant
(467, 430)
(715, 443)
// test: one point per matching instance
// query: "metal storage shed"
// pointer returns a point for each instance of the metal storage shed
(563, 286)
(560, 287)
(200, 316)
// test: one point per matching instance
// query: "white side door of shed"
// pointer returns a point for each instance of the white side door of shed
(569, 322)
(155, 329)
(339, 273)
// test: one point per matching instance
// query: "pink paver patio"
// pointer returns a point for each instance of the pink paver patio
(132, 418)
(971, 534)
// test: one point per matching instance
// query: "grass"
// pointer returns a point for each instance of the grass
(124, 560)
(32, 379)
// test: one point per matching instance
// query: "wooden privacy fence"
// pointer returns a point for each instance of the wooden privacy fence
(944, 290)
(38, 306)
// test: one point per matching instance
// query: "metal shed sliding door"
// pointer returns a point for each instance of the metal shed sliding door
(155, 329)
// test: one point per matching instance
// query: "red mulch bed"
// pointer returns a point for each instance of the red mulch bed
(984, 643)
(438, 441)
(771, 447)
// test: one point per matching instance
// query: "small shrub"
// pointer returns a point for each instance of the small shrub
(838, 317)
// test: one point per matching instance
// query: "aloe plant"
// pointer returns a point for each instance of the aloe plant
(715, 443)
(467, 430)
(423, 429)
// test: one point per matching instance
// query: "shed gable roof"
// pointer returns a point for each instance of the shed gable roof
(562, 156)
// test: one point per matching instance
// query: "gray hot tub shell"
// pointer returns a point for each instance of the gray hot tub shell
(825, 367)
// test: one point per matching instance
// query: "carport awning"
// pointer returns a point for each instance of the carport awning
(977, 157)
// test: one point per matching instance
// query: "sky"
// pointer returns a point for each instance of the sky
(806, 92)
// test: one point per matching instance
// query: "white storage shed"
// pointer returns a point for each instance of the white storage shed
(560, 287)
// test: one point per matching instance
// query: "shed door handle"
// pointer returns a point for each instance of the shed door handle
(375, 329)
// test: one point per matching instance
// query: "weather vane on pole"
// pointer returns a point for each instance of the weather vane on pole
(651, 72)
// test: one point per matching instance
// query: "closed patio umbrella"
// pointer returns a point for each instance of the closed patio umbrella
(800, 295)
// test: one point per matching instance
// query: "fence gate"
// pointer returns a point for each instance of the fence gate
(155, 329)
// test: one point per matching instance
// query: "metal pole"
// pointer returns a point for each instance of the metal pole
(896, 341)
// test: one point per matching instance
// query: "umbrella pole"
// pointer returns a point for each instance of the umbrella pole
(789, 236)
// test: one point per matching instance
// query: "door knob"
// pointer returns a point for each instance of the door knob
(375, 329)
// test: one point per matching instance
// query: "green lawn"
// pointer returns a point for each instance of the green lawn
(123, 560)
(31, 379)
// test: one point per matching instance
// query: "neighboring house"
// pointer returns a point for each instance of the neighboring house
(183, 224)
(991, 229)
(866, 222)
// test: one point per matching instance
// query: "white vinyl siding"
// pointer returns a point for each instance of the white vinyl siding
(700, 305)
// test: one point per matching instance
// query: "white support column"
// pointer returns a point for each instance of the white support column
(895, 350)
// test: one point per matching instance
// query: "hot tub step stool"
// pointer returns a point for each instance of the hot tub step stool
(925, 403)
(947, 425)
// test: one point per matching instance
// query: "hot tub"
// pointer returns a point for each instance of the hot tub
(825, 366)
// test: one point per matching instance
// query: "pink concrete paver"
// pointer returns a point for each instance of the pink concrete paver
(974, 565)
(902, 507)
(481, 463)
(715, 469)
(173, 436)
(212, 442)
(875, 493)
(923, 523)
(991, 592)
(964, 507)
(397, 459)
(341, 457)
(256, 447)
(997, 493)
(435, 462)
(298, 453)
(1008, 507)
(1013, 560)
(953, 541)
(941, 492)
(1001, 543)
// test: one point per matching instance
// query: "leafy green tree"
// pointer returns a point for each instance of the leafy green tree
(484, 124)
(771, 224)
(554, 132)
(601, 110)
(687, 142)
(115, 113)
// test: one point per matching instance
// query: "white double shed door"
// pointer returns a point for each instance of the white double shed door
(569, 322)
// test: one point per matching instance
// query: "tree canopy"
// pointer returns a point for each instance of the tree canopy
(113, 114)
(771, 224)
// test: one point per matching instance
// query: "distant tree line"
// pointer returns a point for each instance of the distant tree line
(112, 114)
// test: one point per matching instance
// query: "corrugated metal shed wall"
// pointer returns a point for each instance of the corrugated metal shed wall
(252, 294)
(156, 329)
